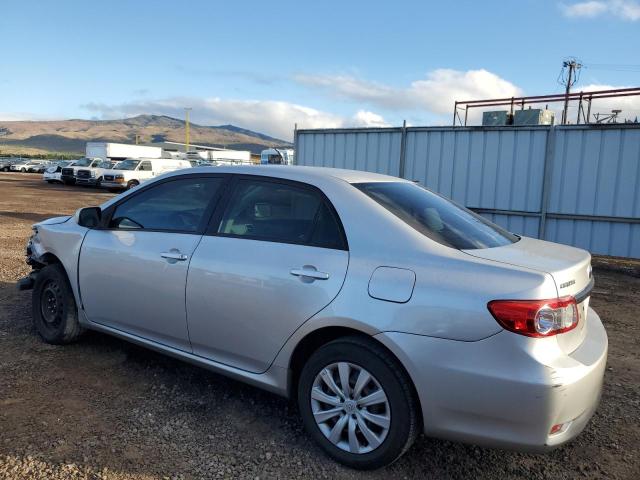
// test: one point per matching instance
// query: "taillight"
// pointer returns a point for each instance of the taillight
(536, 318)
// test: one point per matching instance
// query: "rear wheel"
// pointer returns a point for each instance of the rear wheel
(357, 402)
(55, 315)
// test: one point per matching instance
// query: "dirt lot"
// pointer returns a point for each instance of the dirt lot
(102, 408)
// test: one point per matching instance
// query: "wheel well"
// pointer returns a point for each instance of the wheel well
(322, 336)
(310, 344)
(49, 259)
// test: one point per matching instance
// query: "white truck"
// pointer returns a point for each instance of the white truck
(92, 176)
(120, 151)
(133, 171)
(68, 174)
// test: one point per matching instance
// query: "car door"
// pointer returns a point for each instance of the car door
(274, 256)
(133, 270)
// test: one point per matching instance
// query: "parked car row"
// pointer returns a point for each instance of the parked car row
(113, 175)
(24, 166)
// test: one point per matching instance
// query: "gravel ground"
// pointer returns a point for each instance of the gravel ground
(102, 408)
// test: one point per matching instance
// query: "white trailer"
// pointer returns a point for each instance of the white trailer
(120, 151)
(240, 156)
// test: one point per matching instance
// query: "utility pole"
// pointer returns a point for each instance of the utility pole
(573, 66)
(186, 129)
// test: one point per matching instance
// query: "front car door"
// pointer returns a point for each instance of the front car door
(274, 256)
(133, 270)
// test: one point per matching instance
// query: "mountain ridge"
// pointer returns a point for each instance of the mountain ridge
(71, 135)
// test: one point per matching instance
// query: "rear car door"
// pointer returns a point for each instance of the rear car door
(133, 270)
(274, 256)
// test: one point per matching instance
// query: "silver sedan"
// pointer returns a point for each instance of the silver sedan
(383, 308)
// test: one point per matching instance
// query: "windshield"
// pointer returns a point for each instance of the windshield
(128, 164)
(105, 165)
(436, 217)
(84, 162)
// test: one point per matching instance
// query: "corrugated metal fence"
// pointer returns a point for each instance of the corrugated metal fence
(578, 185)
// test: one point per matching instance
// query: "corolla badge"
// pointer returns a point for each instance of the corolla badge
(567, 284)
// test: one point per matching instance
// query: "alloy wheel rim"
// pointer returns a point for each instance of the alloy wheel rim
(350, 407)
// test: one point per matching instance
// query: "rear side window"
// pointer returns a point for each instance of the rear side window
(279, 212)
(178, 205)
(436, 217)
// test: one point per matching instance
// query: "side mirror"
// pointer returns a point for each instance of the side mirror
(89, 217)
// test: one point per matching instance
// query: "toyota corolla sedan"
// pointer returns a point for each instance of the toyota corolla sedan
(382, 308)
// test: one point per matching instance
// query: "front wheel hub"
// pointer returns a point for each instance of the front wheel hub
(51, 304)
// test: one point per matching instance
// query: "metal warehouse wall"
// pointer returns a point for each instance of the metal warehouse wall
(578, 185)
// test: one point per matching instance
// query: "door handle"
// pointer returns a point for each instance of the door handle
(309, 273)
(174, 255)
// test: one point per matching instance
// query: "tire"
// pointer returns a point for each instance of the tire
(132, 183)
(49, 182)
(55, 315)
(400, 408)
(23, 170)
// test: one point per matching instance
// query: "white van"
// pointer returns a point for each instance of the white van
(133, 171)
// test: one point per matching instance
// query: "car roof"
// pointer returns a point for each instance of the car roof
(298, 173)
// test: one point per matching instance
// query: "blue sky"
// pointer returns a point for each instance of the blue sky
(266, 65)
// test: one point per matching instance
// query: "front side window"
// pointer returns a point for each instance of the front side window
(436, 217)
(145, 166)
(280, 212)
(178, 205)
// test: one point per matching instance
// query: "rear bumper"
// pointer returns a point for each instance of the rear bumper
(505, 391)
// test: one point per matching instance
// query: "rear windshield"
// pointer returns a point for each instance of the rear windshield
(436, 217)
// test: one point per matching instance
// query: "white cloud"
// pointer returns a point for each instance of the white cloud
(584, 9)
(623, 9)
(275, 118)
(436, 93)
(364, 118)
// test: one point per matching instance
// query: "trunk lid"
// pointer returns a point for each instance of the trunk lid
(570, 268)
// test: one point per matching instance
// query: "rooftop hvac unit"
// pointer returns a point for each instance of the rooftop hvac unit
(533, 116)
(496, 118)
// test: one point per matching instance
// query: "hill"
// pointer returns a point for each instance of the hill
(72, 135)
